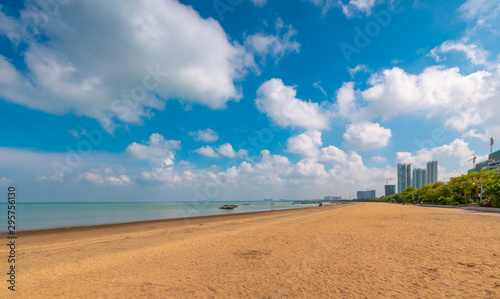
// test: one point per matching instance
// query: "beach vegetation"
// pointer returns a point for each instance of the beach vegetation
(465, 189)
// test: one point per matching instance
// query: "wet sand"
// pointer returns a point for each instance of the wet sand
(349, 251)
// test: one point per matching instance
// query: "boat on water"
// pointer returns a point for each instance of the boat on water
(228, 207)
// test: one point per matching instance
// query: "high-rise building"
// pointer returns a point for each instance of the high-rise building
(409, 175)
(424, 176)
(390, 190)
(432, 172)
(419, 177)
(366, 194)
(405, 176)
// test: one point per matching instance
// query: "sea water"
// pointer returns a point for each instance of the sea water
(33, 216)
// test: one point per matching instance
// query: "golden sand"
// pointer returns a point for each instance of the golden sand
(350, 251)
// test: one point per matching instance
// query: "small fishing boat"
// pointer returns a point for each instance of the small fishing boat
(228, 207)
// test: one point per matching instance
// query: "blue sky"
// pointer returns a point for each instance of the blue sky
(172, 100)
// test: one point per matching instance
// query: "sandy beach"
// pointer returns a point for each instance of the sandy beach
(365, 250)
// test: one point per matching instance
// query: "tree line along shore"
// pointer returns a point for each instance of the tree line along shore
(464, 189)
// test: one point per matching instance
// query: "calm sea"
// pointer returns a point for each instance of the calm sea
(32, 216)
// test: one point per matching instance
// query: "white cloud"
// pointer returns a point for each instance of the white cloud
(473, 52)
(325, 5)
(453, 156)
(109, 180)
(379, 159)
(83, 69)
(346, 101)
(5, 181)
(280, 104)
(44, 178)
(332, 154)
(117, 180)
(365, 136)
(277, 45)
(306, 144)
(358, 6)
(8, 25)
(437, 92)
(473, 134)
(91, 177)
(225, 150)
(316, 85)
(310, 168)
(259, 3)
(207, 151)
(311, 177)
(480, 9)
(207, 135)
(357, 69)
(350, 8)
(156, 150)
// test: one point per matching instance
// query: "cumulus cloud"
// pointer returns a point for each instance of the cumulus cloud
(280, 104)
(91, 177)
(225, 150)
(169, 52)
(117, 180)
(306, 144)
(207, 151)
(276, 45)
(436, 92)
(332, 154)
(379, 159)
(156, 150)
(207, 135)
(365, 136)
(451, 157)
(311, 177)
(98, 179)
(345, 106)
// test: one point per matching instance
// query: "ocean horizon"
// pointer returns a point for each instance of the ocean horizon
(46, 215)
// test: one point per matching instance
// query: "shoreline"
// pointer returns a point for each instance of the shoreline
(155, 221)
(478, 210)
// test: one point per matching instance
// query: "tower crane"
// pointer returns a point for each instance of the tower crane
(473, 159)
